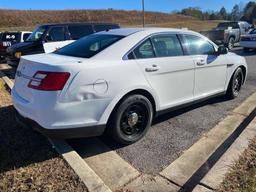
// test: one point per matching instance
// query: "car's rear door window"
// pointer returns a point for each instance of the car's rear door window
(197, 46)
(79, 31)
(167, 45)
(89, 46)
(144, 50)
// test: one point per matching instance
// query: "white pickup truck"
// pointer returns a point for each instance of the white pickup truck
(8, 39)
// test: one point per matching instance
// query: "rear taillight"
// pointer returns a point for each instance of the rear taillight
(49, 81)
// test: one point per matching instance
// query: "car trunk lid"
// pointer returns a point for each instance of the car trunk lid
(30, 65)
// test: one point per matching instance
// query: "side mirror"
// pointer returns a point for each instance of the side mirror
(222, 50)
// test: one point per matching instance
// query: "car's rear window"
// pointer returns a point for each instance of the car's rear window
(13, 37)
(89, 45)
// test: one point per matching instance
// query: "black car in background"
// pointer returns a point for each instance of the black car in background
(8, 39)
(49, 37)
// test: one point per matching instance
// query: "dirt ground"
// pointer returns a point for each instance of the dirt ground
(242, 176)
(27, 160)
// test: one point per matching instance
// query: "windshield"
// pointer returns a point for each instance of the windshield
(37, 34)
(89, 45)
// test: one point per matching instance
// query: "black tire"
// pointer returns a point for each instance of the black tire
(131, 119)
(246, 49)
(235, 84)
(231, 43)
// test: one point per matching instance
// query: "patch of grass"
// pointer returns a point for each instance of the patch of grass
(195, 25)
(1, 85)
(242, 176)
(27, 18)
(27, 160)
(12, 20)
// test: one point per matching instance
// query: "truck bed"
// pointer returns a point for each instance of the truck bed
(214, 35)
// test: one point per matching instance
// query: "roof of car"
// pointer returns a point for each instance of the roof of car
(234, 22)
(77, 23)
(130, 31)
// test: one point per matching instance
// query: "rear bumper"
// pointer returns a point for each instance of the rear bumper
(69, 133)
(61, 120)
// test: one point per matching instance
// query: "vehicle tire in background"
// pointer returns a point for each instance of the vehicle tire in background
(235, 84)
(246, 49)
(231, 43)
(131, 119)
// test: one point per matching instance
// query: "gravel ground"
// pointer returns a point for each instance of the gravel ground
(28, 162)
(175, 132)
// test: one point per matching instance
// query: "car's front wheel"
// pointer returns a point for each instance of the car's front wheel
(235, 84)
(131, 120)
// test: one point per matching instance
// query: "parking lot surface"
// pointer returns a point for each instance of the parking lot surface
(175, 132)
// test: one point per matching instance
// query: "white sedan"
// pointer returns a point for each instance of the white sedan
(248, 41)
(119, 80)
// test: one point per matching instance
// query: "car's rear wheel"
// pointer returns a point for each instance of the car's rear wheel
(235, 84)
(231, 43)
(131, 120)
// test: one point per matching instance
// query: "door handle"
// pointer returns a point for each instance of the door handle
(200, 62)
(152, 69)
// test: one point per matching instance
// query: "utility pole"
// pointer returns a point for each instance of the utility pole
(143, 13)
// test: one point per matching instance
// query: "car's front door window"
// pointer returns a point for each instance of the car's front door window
(198, 46)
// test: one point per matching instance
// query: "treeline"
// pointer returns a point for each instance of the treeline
(239, 12)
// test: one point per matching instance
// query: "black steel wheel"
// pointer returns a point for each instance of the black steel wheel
(131, 120)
